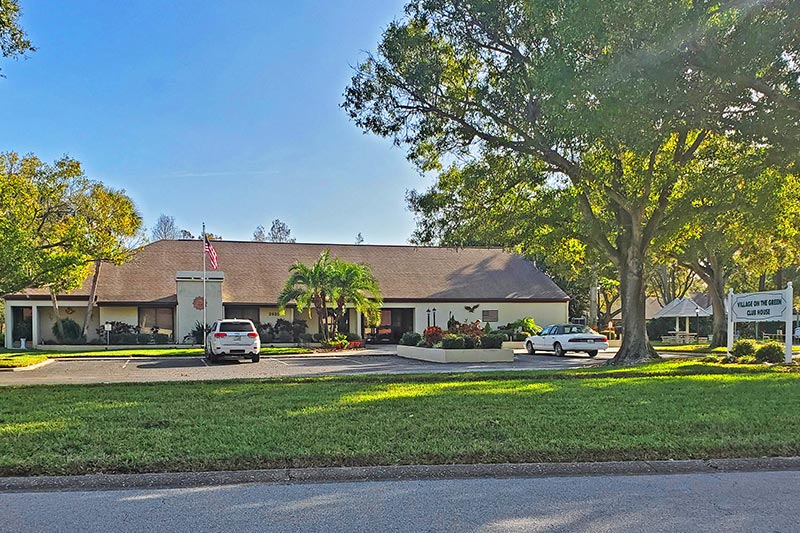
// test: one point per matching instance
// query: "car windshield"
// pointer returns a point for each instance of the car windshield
(235, 327)
(577, 329)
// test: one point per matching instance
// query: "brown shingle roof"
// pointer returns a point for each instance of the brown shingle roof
(255, 272)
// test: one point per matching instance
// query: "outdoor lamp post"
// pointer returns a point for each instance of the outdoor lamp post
(434, 316)
(429, 316)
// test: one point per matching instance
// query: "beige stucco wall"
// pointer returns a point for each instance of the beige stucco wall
(543, 312)
(128, 315)
(269, 315)
(47, 317)
(186, 315)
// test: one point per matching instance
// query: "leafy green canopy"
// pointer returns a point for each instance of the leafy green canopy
(54, 222)
(13, 41)
(617, 97)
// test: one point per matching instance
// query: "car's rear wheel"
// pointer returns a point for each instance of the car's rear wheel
(558, 350)
(592, 353)
(529, 347)
(256, 358)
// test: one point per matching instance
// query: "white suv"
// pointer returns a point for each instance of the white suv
(233, 337)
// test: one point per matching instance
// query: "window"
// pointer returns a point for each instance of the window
(156, 317)
(489, 315)
(243, 312)
(235, 327)
(548, 330)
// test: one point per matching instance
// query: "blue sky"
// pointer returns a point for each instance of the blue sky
(226, 112)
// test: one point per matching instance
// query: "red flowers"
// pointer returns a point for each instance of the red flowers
(432, 335)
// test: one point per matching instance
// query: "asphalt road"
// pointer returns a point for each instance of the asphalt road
(144, 369)
(764, 501)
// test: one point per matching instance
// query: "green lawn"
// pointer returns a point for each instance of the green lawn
(677, 409)
(701, 348)
(19, 358)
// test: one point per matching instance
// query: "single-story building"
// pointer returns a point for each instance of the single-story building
(162, 287)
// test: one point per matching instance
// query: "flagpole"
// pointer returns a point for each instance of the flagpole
(205, 318)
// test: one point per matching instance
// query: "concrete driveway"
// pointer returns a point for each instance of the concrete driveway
(384, 361)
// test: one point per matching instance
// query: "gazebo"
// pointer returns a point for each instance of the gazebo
(681, 308)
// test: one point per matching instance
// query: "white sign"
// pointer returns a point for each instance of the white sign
(759, 306)
(107, 326)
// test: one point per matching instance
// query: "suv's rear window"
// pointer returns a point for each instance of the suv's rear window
(234, 327)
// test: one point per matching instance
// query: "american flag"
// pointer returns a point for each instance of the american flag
(212, 254)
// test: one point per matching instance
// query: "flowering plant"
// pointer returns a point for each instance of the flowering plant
(432, 335)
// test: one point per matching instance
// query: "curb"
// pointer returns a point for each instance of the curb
(325, 355)
(29, 367)
(392, 473)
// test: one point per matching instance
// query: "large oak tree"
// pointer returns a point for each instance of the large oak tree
(617, 97)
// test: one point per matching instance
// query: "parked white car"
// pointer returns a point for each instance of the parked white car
(563, 338)
(233, 337)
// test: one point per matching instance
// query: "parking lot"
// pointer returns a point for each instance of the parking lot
(145, 369)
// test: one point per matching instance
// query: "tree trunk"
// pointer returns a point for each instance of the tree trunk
(636, 346)
(59, 332)
(716, 290)
(92, 295)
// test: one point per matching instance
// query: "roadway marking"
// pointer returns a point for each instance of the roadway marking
(203, 360)
(278, 361)
(126, 362)
(353, 360)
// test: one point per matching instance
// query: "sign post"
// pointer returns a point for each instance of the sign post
(770, 306)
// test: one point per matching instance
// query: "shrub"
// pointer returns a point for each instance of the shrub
(198, 331)
(473, 330)
(744, 347)
(266, 337)
(23, 329)
(487, 329)
(747, 360)
(452, 342)
(353, 337)
(422, 344)
(470, 342)
(161, 338)
(492, 341)
(145, 338)
(298, 328)
(521, 336)
(284, 336)
(128, 338)
(317, 337)
(509, 333)
(338, 342)
(433, 335)
(70, 332)
(772, 352)
(525, 324)
(410, 338)
(713, 359)
(306, 337)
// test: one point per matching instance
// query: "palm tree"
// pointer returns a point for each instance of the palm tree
(309, 286)
(332, 284)
(354, 283)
